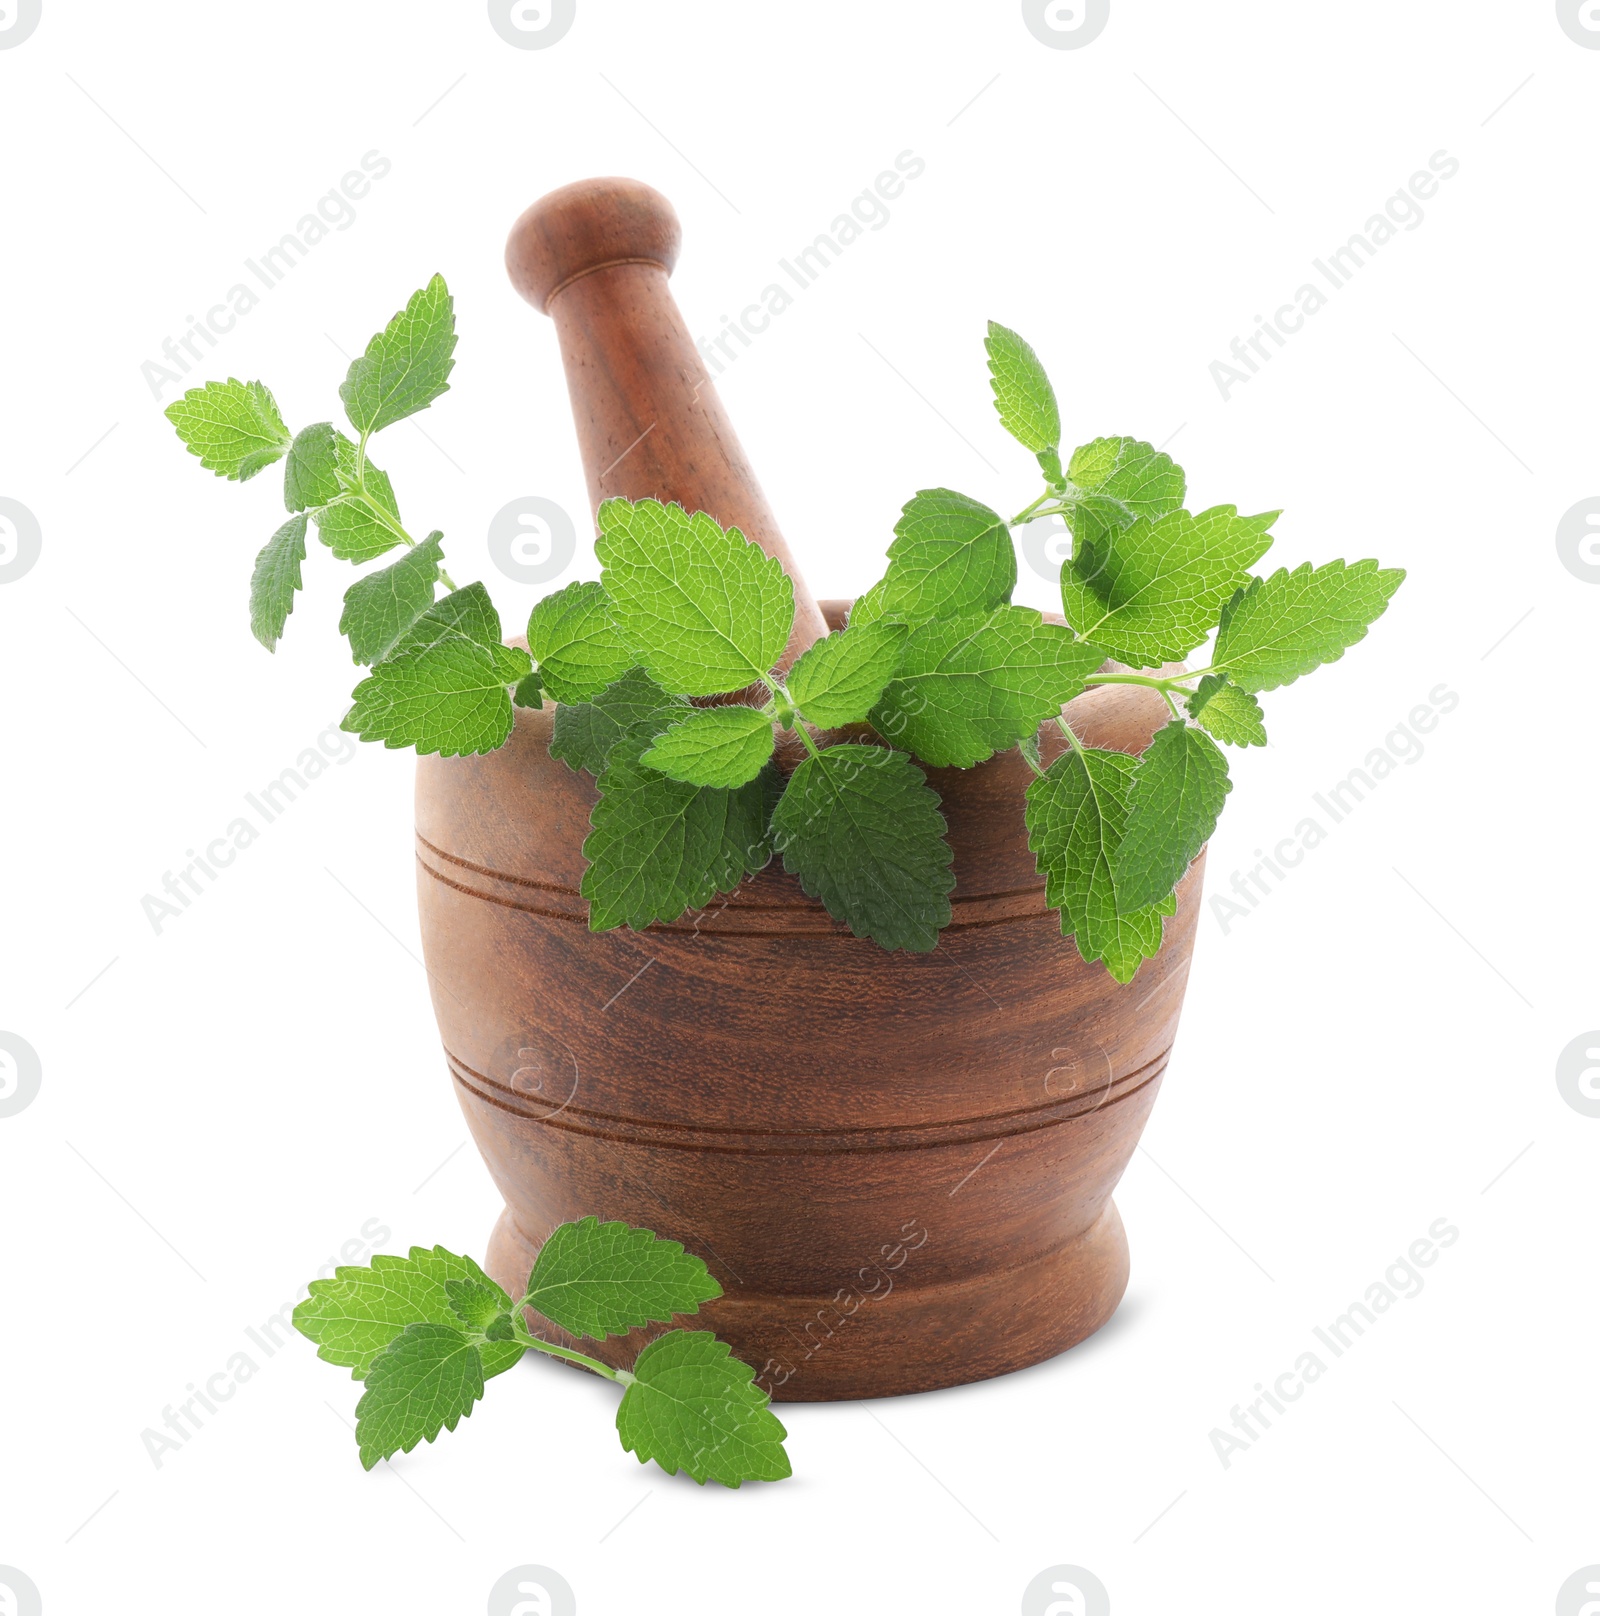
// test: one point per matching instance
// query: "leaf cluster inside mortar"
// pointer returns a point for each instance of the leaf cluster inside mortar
(935, 667)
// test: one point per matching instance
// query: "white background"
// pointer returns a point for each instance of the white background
(1371, 1049)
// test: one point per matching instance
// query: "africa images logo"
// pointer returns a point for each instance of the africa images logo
(19, 1596)
(1578, 541)
(530, 24)
(1066, 24)
(21, 1075)
(532, 540)
(18, 19)
(1066, 1590)
(20, 539)
(1580, 21)
(532, 1590)
(1578, 1074)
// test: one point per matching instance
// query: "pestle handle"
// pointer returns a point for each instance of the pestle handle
(595, 257)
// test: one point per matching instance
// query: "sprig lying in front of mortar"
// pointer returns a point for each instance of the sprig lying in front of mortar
(427, 1331)
(936, 667)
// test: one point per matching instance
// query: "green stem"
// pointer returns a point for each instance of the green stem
(388, 521)
(1172, 682)
(1165, 686)
(526, 1339)
(1066, 729)
(1124, 679)
(780, 694)
(383, 516)
(1027, 515)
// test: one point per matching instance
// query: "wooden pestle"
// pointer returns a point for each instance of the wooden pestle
(595, 256)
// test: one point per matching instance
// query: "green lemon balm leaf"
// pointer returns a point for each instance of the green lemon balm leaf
(352, 1317)
(705, 610)
(480, 1305)
(407, 365)
(362, 521)
(576, 644)
(1178, 790)
(584, 732)
(467, 612)
(352, 502)
(379, 608)
(311, 473)
(862, 830)
(716, 746)
(840, 677)
(657, 847)
(528, 691)
(1151, 593)
(1076, 815)
(233, 426)
(967, 687)
(1133, 475)
(275, 580)
(423, 1382)
(449, 697)
(597, 1279)
(1226, 712)
(950, 555)
(1278, 628)
(693, 1406)
(1022, 392)
(868, 608)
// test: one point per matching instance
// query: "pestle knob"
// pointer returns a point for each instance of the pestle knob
(595, 257)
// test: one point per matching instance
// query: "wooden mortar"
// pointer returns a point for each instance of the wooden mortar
(899, 1166)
